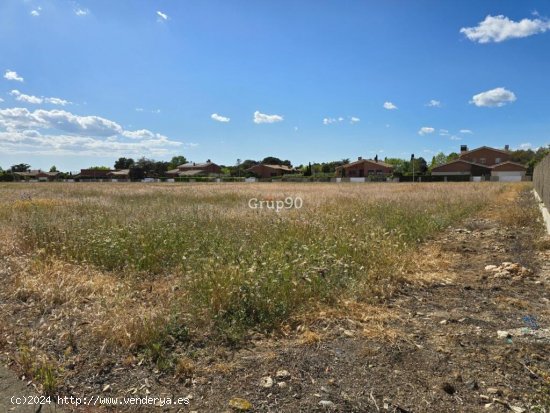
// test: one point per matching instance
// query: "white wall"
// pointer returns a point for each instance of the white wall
(508, 173)
(450, 173)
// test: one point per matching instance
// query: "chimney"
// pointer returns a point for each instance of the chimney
(463, 148)
(506, 147)
(208, 161)
(360, 158)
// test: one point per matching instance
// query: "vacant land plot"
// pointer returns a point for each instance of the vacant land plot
(165, 279)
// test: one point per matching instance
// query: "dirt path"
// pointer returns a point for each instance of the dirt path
(14, 393)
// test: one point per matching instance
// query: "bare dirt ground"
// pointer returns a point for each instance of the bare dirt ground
(456, 337)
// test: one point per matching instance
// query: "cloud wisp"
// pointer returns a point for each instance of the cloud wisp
(426, 130)
(36, 100)
(220, 118)
(12, 75)
(433, 104)
(389, 106)
(264, 118)
(162, 17)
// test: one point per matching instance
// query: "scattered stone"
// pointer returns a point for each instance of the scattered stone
(502, 334)
(448, 388)
(494, 390)
(349, 333)
(517, 409)
(240, 404)
(266, 382)
(106, 388)
(509, 269)
(502, 274)
(282, 374)
(281, 384)
(326, 403)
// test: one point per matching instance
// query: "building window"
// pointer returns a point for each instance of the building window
(482, 160)
(497, 160)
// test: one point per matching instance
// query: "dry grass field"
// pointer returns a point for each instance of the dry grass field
(151, 273)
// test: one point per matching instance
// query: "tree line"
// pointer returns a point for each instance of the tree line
(150, 168)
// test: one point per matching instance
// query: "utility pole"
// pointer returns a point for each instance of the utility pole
(412, 161)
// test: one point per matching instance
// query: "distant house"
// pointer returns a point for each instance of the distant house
(195, 169)
(93, 174)
(270, 171)
(364, 167)
(36, 175)
(483, 163)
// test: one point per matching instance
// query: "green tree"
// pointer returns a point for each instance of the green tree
(453, 156)
(400, 166)
(152, 168)
(272, 160)
(248, 163)
(53, 169)
(22, 167)
(438, 159)
(177, 161)
(124, 163)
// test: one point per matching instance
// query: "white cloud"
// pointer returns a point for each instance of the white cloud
(26, 98)
(36, 12)
(156, 111)
(162, 16)
(443, 132)
(220, 118)
(468, 131)
(12, 75)
(426, 130)
(494, 98)
(434, 103)
(139, 109)
(295, 128)
(354, 119)
(63, 133)
(499, 28)
(526, 146)
(35, 100)
(455, 138)
(263, 118)
(389, 106)
(81, 12)
(1, 100)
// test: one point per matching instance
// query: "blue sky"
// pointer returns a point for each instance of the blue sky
(86, 82)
